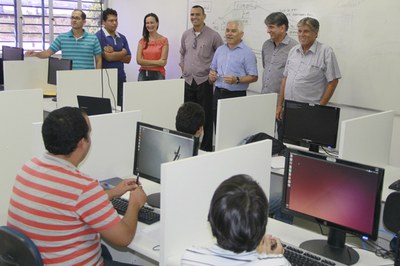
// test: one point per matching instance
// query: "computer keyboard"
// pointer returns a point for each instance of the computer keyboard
(147, 215)
(297, 256)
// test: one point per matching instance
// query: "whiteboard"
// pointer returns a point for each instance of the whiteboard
(362, 34)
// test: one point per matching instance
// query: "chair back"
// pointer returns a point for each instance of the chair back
(17, 249)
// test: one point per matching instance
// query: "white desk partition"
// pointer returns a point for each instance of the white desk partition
(27, 74)
(18, 110)
(187, 187)
(113, 145)
(159, 100)
(89, 82)
(367, 139)
(237, 118)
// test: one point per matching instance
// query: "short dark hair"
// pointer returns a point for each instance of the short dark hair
(62, 130)
(198, 6)
(189, 118)
(277, 18)
(238, 214)
(107, 12)
(83, 14)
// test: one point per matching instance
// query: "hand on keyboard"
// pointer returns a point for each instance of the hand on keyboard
(146, 215)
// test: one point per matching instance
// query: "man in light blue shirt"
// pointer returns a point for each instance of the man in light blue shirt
(233, 67)
(77, 44)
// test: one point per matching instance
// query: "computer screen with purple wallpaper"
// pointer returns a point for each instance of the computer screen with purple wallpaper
(343, 195)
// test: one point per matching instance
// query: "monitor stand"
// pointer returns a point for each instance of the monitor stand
(334, 249)
(313, 147)
(154, 200)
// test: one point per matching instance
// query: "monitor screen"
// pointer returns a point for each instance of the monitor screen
(94, 105)
(12, 53)
(56, 64)
(343, 195)
(310, 123)
(156, 145)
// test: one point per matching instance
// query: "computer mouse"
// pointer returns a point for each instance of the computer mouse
(395, 185)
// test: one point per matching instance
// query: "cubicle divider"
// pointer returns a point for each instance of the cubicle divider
(30, 73)
(89, 82)
(188, 185)
(238, 118)
(367, 139)
(113, 145)
(18, 110)
(158, 100)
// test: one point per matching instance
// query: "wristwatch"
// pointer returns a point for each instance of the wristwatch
(237, 80)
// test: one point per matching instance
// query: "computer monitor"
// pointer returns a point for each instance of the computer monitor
(56, 64)
(343, 195)
(94, 105)
(12, 53)
(315, 125)
(156, 145)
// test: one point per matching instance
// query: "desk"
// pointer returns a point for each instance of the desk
(148, 236)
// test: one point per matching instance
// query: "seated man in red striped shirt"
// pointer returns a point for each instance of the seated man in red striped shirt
(64, 211)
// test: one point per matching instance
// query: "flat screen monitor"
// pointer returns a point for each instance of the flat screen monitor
(56, 64)
(94, 105)
(343, 195)
(315, 125)
(156, 145)
(12, 53)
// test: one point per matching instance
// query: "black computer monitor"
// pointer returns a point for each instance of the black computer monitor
(12, 53)
(312, 124)
(56, 64)
(343, 195)
(94, 105)
(156, 145)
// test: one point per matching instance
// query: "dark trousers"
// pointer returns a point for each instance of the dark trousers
(203, 95)
(221, 93)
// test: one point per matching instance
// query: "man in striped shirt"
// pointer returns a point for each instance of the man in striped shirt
(81, 47)
(238, 217)
(64, 211)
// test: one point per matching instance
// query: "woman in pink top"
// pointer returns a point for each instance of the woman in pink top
(152, 52)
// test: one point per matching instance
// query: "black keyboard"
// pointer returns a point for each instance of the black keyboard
(147, 215)
(298, 257)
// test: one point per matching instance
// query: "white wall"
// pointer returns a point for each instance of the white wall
(173, 22)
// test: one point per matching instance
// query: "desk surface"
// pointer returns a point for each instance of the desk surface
(148, 237)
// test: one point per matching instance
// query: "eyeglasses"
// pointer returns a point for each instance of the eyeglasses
(194, 46)
(75, 18)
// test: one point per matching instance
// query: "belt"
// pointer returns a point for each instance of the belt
(223, 90)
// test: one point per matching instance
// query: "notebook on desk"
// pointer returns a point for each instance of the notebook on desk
(94, 105)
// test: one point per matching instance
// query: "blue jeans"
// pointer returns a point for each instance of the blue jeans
(145, 75)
